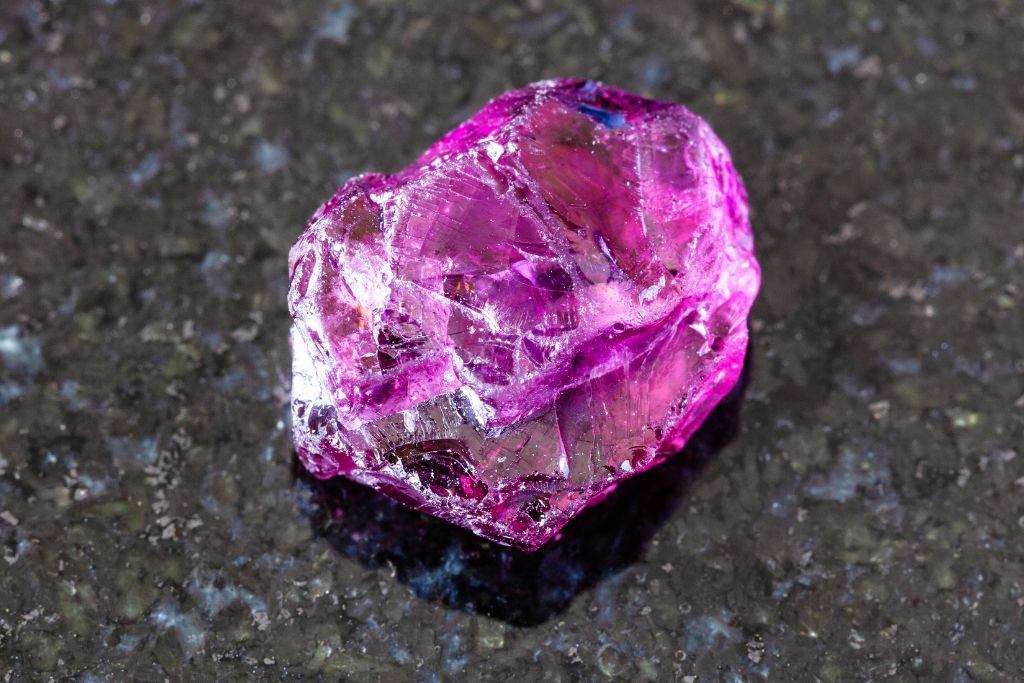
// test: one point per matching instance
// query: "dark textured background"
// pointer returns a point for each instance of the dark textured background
(857, 516)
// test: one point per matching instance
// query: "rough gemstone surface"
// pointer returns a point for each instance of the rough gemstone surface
(551, 299)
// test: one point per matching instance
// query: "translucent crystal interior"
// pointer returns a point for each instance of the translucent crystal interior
(552, 298)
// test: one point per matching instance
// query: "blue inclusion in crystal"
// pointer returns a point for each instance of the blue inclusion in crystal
(612, 119)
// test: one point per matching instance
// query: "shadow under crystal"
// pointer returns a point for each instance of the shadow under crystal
(446, 563)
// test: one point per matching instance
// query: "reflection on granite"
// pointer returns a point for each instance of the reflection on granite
(157, 160)
(462, 570)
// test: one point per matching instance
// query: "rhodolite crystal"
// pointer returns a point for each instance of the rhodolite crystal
(551, 299)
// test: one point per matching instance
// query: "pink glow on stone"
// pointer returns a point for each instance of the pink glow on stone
(551, 299)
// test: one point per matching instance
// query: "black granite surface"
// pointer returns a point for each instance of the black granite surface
(854, 513)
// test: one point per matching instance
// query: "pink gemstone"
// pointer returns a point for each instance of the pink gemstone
(550, 300)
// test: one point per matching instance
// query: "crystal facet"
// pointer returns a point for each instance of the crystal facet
(551, 299)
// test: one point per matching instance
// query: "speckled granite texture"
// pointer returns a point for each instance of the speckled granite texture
(852, 514)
